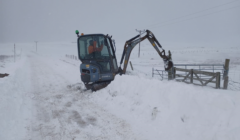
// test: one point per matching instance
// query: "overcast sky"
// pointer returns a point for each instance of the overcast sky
(179, 21)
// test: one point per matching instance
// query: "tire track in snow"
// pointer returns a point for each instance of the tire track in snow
(65, 112)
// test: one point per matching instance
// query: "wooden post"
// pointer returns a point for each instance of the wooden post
(225, 83)
(131, 65)
(226, 67)
(171, 73)
(191, 80)
(152, 72)
(225, 75)
(174, 72)
(218, 80)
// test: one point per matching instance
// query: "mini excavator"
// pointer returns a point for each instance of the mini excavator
(99, 63)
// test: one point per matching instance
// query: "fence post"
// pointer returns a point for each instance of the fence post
(225, 74)
(131, 65)
(225, 83)
(170, 74)
(152, 72)
(191, 80)
(162, 75)
(218, 80)
(174, 72)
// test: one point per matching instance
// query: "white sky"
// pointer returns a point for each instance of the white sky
(175, 21)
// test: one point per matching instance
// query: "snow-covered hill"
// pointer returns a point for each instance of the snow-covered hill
(43, 98)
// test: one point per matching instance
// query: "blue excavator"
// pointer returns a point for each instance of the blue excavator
(99, 63)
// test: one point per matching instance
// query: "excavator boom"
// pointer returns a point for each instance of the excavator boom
(130, 44)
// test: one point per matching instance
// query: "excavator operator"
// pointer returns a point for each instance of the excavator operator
(93, 47)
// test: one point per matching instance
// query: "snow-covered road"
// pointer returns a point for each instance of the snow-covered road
(48, 106)
(64, 112)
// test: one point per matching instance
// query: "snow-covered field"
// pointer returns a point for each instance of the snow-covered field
(43, 97)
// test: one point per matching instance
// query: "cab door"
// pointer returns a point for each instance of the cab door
(112, 53)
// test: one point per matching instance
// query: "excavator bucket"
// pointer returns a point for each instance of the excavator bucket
(168, 65)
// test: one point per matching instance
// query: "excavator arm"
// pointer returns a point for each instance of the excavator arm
(130, 44)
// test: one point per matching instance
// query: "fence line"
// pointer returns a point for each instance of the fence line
(234, 85)
(162, 73)
(5, 57)
(204, 67)
(204, 73)
(194, 75)
(72, 57)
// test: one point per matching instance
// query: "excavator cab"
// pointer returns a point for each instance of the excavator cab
(99, 63)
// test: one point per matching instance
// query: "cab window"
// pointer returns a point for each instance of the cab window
(93, 47)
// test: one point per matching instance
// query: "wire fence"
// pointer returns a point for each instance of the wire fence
(200, 67)
(164, 75)
(9, 57)
(232, 85)
(72, 57)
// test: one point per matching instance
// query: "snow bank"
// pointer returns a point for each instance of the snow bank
(15, 101)
(171, 110)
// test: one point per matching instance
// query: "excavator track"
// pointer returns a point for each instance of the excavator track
(96, 86)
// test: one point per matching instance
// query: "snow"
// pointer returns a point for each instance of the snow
(44, 98)
(183, 111)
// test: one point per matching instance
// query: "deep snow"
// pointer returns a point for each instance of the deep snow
(43, 97)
